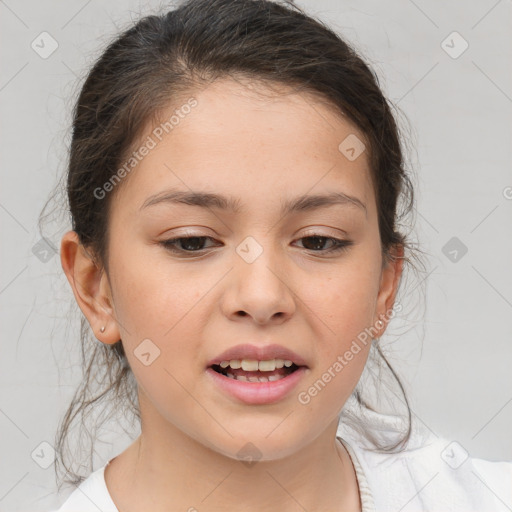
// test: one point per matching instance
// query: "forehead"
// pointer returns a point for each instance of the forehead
(254, 140)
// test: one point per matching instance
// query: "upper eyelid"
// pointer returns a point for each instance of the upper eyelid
(340, 245)
(308, 229)
(304, 235)
(307, 234)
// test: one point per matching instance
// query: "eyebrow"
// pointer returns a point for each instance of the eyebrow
(228, 203)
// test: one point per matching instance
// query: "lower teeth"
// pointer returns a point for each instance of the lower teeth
(270, 378)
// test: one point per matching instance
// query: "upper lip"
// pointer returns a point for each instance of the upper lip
(258, 352)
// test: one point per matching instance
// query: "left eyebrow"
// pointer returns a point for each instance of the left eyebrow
(209, 200)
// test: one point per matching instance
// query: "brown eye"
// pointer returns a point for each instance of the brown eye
(195, 244)
(318, 241)
(188, 244)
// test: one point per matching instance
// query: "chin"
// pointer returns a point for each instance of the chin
(256, 445)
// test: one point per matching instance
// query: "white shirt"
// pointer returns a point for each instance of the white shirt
(433, 474)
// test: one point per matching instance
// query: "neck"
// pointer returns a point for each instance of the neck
(165, 469)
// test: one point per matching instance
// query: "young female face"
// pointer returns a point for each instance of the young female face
(255, 278)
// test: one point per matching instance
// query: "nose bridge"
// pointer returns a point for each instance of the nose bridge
(254, 261)
(259, 289)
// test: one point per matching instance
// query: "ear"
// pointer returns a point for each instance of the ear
(91, 288)
(390, 278)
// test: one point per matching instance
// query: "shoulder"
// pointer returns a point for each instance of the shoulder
(90, 496)
(440, 475)
(431, 474)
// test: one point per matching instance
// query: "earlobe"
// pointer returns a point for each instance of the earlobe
(90, 287)
(390, 279)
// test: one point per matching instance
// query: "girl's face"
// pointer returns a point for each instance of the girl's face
(250, 275)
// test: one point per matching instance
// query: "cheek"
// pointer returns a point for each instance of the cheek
(349, 307)
(162, 303)
(346, 299)
(156, 310)
(150, 296)
(345, 307)
(345, 303)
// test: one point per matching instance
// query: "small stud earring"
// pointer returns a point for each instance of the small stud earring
(102, 329)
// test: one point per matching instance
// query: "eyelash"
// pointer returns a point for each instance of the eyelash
(340, 245)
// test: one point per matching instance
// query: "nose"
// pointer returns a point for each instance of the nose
(258, 290)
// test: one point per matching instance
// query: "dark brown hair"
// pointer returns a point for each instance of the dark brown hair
(165, 57)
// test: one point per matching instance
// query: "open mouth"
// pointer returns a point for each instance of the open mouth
(262, 382)
(256, 376)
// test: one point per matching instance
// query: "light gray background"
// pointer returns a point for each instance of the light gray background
(458, 377)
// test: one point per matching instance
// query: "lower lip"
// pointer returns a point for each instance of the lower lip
(257, 393)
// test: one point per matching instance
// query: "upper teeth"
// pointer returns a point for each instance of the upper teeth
(252, 365)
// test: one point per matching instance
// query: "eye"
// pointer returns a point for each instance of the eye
(195, 244)
(190, 244)
(320, 240)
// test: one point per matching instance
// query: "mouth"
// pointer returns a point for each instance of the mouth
(271, 383)
(269, 371)
(257, 374)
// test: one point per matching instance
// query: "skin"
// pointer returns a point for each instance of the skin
(261, 149)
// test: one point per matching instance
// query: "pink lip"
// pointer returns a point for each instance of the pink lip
(258, 352)
(257, 393)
